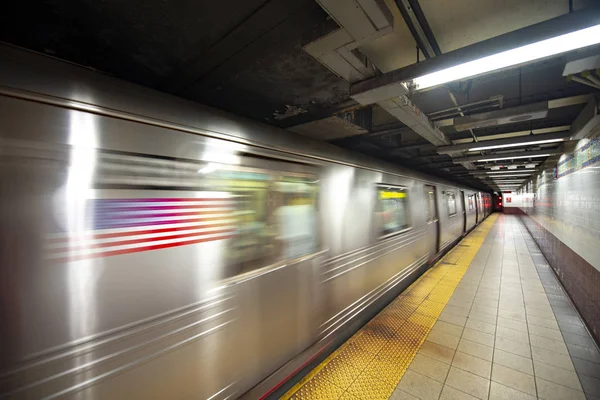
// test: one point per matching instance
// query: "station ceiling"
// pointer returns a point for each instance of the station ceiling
(299, 65)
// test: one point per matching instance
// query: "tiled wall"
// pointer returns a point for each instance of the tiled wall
(561, 209)
(579, 278)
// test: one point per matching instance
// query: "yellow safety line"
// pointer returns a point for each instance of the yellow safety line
(372, 362)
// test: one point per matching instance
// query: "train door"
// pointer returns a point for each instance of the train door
(464, 210)
(433, 221)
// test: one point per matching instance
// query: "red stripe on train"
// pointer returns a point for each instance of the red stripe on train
(137, 249)
(143, 231)
(135, 241)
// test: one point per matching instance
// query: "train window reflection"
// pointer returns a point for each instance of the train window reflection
(275, 217)
(471, 202)
(451, 202)
(430, 205)
(392, 209)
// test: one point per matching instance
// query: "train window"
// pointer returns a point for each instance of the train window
(256, 213)
(430, 203)
(471, 202)
(275, 219)
(451, 202)
(294, 213)
(392, 209)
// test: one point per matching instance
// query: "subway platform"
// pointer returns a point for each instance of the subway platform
(489, 321)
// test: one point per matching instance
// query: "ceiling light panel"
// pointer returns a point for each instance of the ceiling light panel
(511, 158)
(520, 55)
(509, 172)
(501, 146)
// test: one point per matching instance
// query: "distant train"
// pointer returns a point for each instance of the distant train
(152, 248)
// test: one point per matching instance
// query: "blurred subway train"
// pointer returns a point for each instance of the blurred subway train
(154, 248)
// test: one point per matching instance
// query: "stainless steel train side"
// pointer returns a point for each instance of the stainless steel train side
(155, 248)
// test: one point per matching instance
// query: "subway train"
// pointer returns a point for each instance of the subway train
(155, 248)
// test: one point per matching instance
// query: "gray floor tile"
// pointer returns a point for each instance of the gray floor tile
(430, 367)
(437, 352)
(590, 385)
(472, 364)
(492, 295)
(502, 392)
(585, 367)
(481, 326)
(579, 340)
(468, 383)
(444, 339)
(565, 311)
(486, 303)
(511, 346)
(540, 313)
(460, 303)
(539, 307)
(552, 391)
(513, 378)
(557, 375)
(446, 327)
(479, 337)
(512, 334)
(569, 319)
(420, 386)
(513, 306)
(476, 349)
(552, 358)
(584, 353)
(449, 393)
(462, 312)
(533, 288)
(516, 315)
(513, 361)
(402, 395)
(545, 332)
(452, 318)
(577, 329)
(545, 322)
(512, 324)
(482, 316)
(558, 346)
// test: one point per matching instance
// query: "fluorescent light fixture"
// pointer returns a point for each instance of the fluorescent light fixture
(508, 172)
(499, 146)
(504, 176)
(512, 158)
(508, 182)
(534, 51)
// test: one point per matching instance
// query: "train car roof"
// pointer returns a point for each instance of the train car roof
(45, 79)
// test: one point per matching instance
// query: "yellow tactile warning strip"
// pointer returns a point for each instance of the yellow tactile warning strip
(372, 362)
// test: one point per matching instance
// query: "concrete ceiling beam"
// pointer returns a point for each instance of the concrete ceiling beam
(587, 122)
